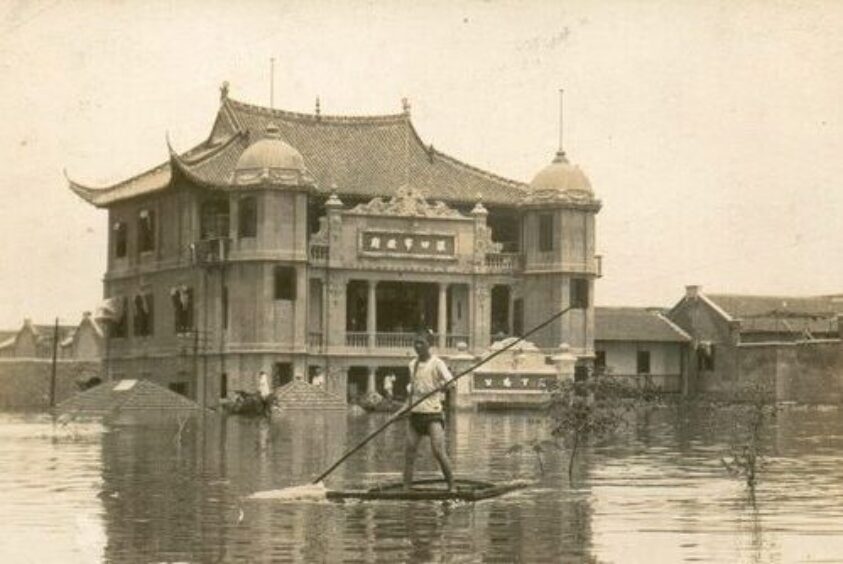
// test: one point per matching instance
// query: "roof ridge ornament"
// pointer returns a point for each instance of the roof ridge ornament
(405, 106)
(408, 201)
(224, 91)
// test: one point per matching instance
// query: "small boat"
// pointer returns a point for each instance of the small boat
(430, 490)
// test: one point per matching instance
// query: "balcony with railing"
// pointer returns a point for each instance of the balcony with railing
(318, 253)
(210, 251)
(503, 263)
(314, 339)
(396, 341)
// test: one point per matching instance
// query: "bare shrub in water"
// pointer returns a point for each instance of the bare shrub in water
(595, 408)
(749, 418)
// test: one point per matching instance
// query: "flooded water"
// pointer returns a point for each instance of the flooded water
(82, 492)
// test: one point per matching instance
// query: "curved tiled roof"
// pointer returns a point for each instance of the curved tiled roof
(357, 156)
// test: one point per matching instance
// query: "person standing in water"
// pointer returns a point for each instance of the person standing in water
(427, 373)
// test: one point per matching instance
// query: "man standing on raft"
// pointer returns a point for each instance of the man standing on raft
(427, 373)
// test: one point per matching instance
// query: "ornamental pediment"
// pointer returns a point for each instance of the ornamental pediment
(407, 202)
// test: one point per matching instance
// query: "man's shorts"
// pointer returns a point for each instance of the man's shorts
(420, 422)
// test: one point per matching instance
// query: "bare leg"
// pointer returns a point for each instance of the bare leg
(410, 448)
(437, 444)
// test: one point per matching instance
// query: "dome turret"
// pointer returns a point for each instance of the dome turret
(561, 176)
(272, 160)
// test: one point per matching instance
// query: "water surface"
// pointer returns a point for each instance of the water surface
(86, 492)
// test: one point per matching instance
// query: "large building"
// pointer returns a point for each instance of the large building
(305, 243)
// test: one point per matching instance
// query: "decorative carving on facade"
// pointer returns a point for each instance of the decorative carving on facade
(321, 236)
(408, 202)
(570, 198)
(483, 243)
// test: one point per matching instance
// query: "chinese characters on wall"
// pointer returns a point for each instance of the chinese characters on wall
(407, 244)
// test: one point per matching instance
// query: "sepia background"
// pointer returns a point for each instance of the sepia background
(711, 130)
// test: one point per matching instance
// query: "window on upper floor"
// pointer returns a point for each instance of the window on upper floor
(143, 315)
(285, 283)
(213, 219)
(182, 308)
(121, 239)
(579, 297)
(247, 221)
(146, 230)
(120, 326)
(642, 362)
(545, 232)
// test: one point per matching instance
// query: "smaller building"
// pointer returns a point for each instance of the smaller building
(26, 362)
(787, 345)
(641, 344)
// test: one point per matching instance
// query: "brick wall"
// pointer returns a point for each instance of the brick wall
(25, 383)
(805, 371)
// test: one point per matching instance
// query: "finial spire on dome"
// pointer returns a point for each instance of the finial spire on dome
(561, 152)
(405, 105)
(318, 107)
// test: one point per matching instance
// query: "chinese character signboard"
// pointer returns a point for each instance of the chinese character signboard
(512, 382)
(408, 245)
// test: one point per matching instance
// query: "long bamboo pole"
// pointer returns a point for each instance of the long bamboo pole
(469, 370)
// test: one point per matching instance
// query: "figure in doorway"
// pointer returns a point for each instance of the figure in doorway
(265, 392)
(389, 386)
(427, 373)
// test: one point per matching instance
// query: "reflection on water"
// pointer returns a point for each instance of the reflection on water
(657, 493)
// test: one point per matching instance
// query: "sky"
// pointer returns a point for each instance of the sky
(710, 130)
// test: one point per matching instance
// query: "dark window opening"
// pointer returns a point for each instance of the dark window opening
(214, 219)
(285, 283)
(121, 239)
(579, 293)
(224, 385)
(120, 327)
(642, 362)
(178, 387)
(146, 230)
(500, 312)
(247, 221)
(600, 360)
(545, 232)
(143, 315)
(182, 309)
(282, 374)
(705, 357)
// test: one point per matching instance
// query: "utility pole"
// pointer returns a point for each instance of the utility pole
(55, 361)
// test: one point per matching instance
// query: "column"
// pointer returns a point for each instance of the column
(510, 314)
(443, 315)
(372, 315)
(371, 385)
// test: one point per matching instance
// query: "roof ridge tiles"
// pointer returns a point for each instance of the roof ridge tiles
(320, 118)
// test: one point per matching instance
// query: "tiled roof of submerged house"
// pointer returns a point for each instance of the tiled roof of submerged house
(126, 395)
(359, 157)
(298, 395)
(635, 324)
(781, 314)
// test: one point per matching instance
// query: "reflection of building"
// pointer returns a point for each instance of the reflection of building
(290, 241)
(791, 345)
(640, 344)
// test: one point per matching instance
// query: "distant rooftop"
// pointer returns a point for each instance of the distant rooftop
(109, 398)
(635, 324)
(298, 395)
